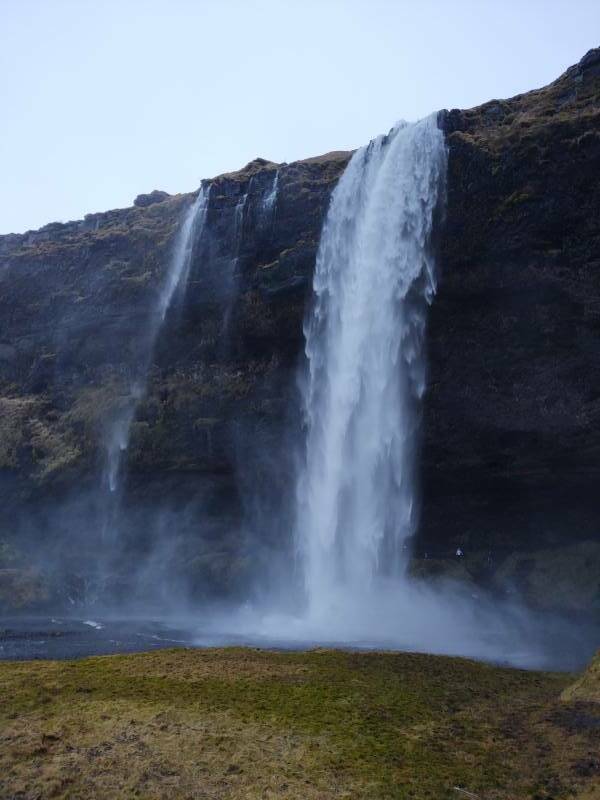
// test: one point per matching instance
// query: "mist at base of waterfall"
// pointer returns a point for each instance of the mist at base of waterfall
(540, 641)
(413, 617)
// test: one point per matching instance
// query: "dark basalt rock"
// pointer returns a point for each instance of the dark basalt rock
(590, 63)
(511, 441)
(511, 452)
(75, 310)
(145, 200)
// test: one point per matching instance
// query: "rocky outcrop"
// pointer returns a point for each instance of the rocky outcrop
(156, 196)
(511, 443)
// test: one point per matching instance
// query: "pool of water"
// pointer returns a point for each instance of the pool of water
(61, 637)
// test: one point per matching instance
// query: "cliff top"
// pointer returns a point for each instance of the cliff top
(572, 96)
(151, 209)
(575, 95)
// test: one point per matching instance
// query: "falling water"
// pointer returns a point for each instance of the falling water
(364, 344)
(117, 431)
(193, 225)
(271, 196)
(356, 493)
(117, 434)
(230, 277)
(238, 221)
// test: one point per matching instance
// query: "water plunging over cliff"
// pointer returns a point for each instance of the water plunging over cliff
(271, 196)
(364, 344)
(117, 430)
(356, 496)
(177, 276)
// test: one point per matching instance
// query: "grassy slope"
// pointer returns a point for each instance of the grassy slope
(587, 686)
(240, 723)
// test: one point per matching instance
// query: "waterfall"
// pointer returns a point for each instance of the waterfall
(356, 494)
(271, 196)
(191, 228)
(238, 221)
(230, 278)
(374, 277)
(117, 430)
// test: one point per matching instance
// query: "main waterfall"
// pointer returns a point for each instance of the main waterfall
(356, 498)
(364, 344)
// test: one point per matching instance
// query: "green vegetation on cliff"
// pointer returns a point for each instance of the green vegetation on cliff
(240, 723)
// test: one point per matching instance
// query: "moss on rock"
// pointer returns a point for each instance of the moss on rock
(22, 589)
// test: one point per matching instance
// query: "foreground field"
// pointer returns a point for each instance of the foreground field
(238, 723)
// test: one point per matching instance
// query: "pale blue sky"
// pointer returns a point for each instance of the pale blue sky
(104, 100)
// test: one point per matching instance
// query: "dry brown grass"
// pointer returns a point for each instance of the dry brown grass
(587, 686)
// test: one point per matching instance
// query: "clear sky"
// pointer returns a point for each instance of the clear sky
(102, 100)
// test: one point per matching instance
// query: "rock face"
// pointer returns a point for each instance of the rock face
(511, 442)
(75, 310)
(156, 196)
(512, 451)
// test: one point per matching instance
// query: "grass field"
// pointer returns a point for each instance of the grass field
(241, 723)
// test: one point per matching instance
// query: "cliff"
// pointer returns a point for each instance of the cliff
(511, 442)
(76, 308)
(512, 452)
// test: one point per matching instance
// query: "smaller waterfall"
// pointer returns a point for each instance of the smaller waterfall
(271, 197)
(117, 437)
(193, 224)
(231, 276)
(117, 431)
(238, 220)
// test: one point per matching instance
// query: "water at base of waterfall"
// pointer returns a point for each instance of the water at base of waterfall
(67, 637)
